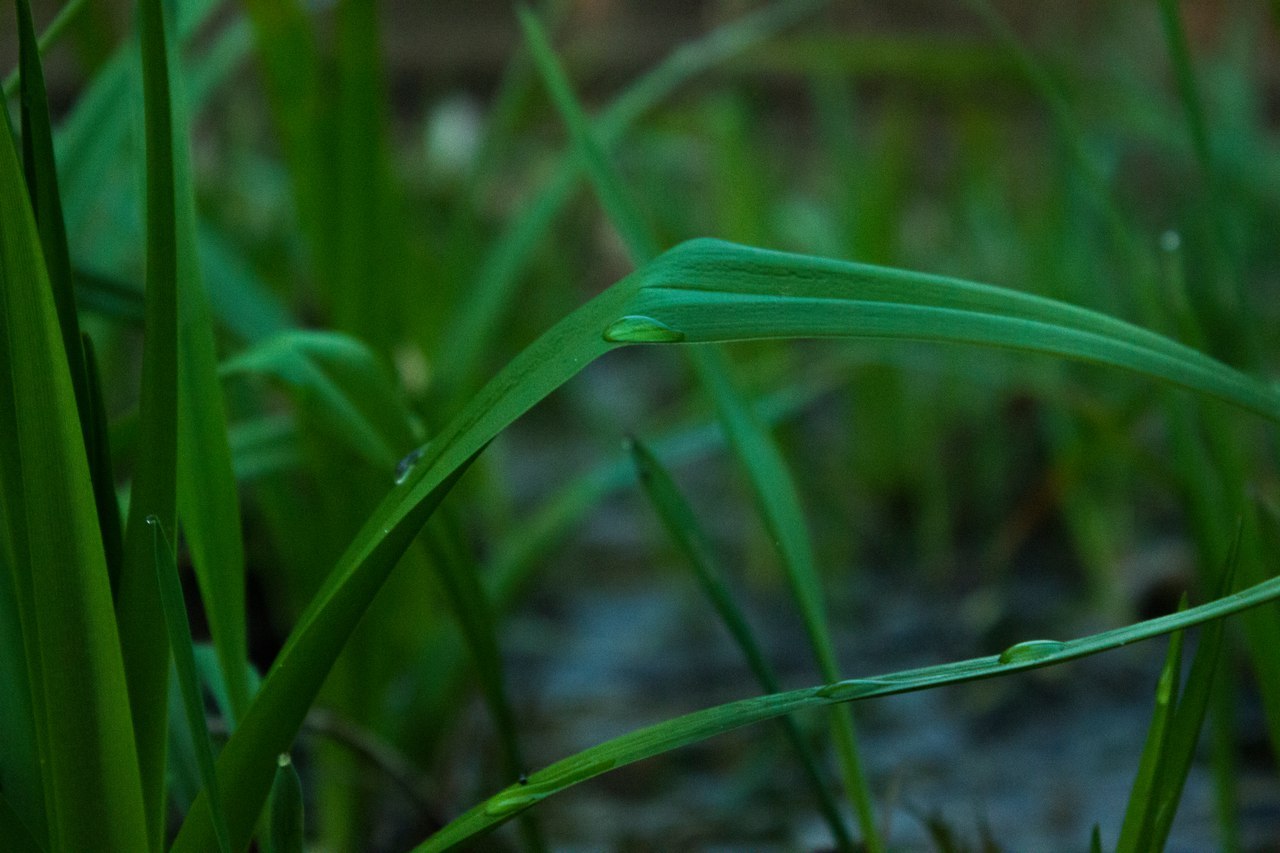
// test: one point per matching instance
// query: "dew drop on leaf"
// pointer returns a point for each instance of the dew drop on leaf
(1031, 650)
(638, 329)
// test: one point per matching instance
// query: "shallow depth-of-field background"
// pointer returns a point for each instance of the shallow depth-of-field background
(397, 172)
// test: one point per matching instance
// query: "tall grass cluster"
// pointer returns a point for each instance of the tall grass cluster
(263, 339)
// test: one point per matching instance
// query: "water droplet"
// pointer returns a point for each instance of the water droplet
(1031, 650)
(152, 520)
(1170, 241)
(524, 779)
(405, 465)
(638, 329)
(843, 691)
(513, 800)
(283, 760)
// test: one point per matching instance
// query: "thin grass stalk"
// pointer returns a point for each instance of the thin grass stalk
(143, 637)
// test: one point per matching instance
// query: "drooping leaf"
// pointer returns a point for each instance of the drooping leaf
(704, 291)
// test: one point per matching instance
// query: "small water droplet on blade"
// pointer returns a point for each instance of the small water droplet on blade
(638, 329)
(405, 465)
(1031, 650)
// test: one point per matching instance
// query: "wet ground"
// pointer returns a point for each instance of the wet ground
(1030, 762)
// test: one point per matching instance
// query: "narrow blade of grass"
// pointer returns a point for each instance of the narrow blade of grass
(179, 631)
(93, 791)
(700, 725)
(1139, 814)
(142, 630)
(1188, 719)
(66, 16)
(681, 524)
(42, 184)
(284, 809)
(339, 378)
(701, 291)
(459, 576)
(207, 502)
(104, 481)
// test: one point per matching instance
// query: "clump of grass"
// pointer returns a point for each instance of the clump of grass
(249, 425)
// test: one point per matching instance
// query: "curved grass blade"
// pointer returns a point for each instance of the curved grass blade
(700, 725)
(93, 792)
(682, 525)
(706, 291)
(284, 809)
(342, 380)
(143, 637)
(470, 335)
(184, 659)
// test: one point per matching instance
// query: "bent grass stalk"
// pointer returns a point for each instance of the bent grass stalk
(710, 291)
(700, 725)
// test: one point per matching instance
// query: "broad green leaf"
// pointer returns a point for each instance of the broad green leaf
(179, 630)
(143, 637)
(700, 725)
(92, 788)
(682, 525)
(704, 291)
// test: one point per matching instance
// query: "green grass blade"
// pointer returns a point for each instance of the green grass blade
(459, 575)
(471, 333)
(246, 766)
(343, 382)
(42, 183)
(104, 481)
(778, 503)
(207, 502)
(1139, 814)
(700, 725)
(93, 789)
(1188, 719)
(284, 809)
(142, 630)
(682, 525)
(66, 15)
(701, 291)
(179, 630)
